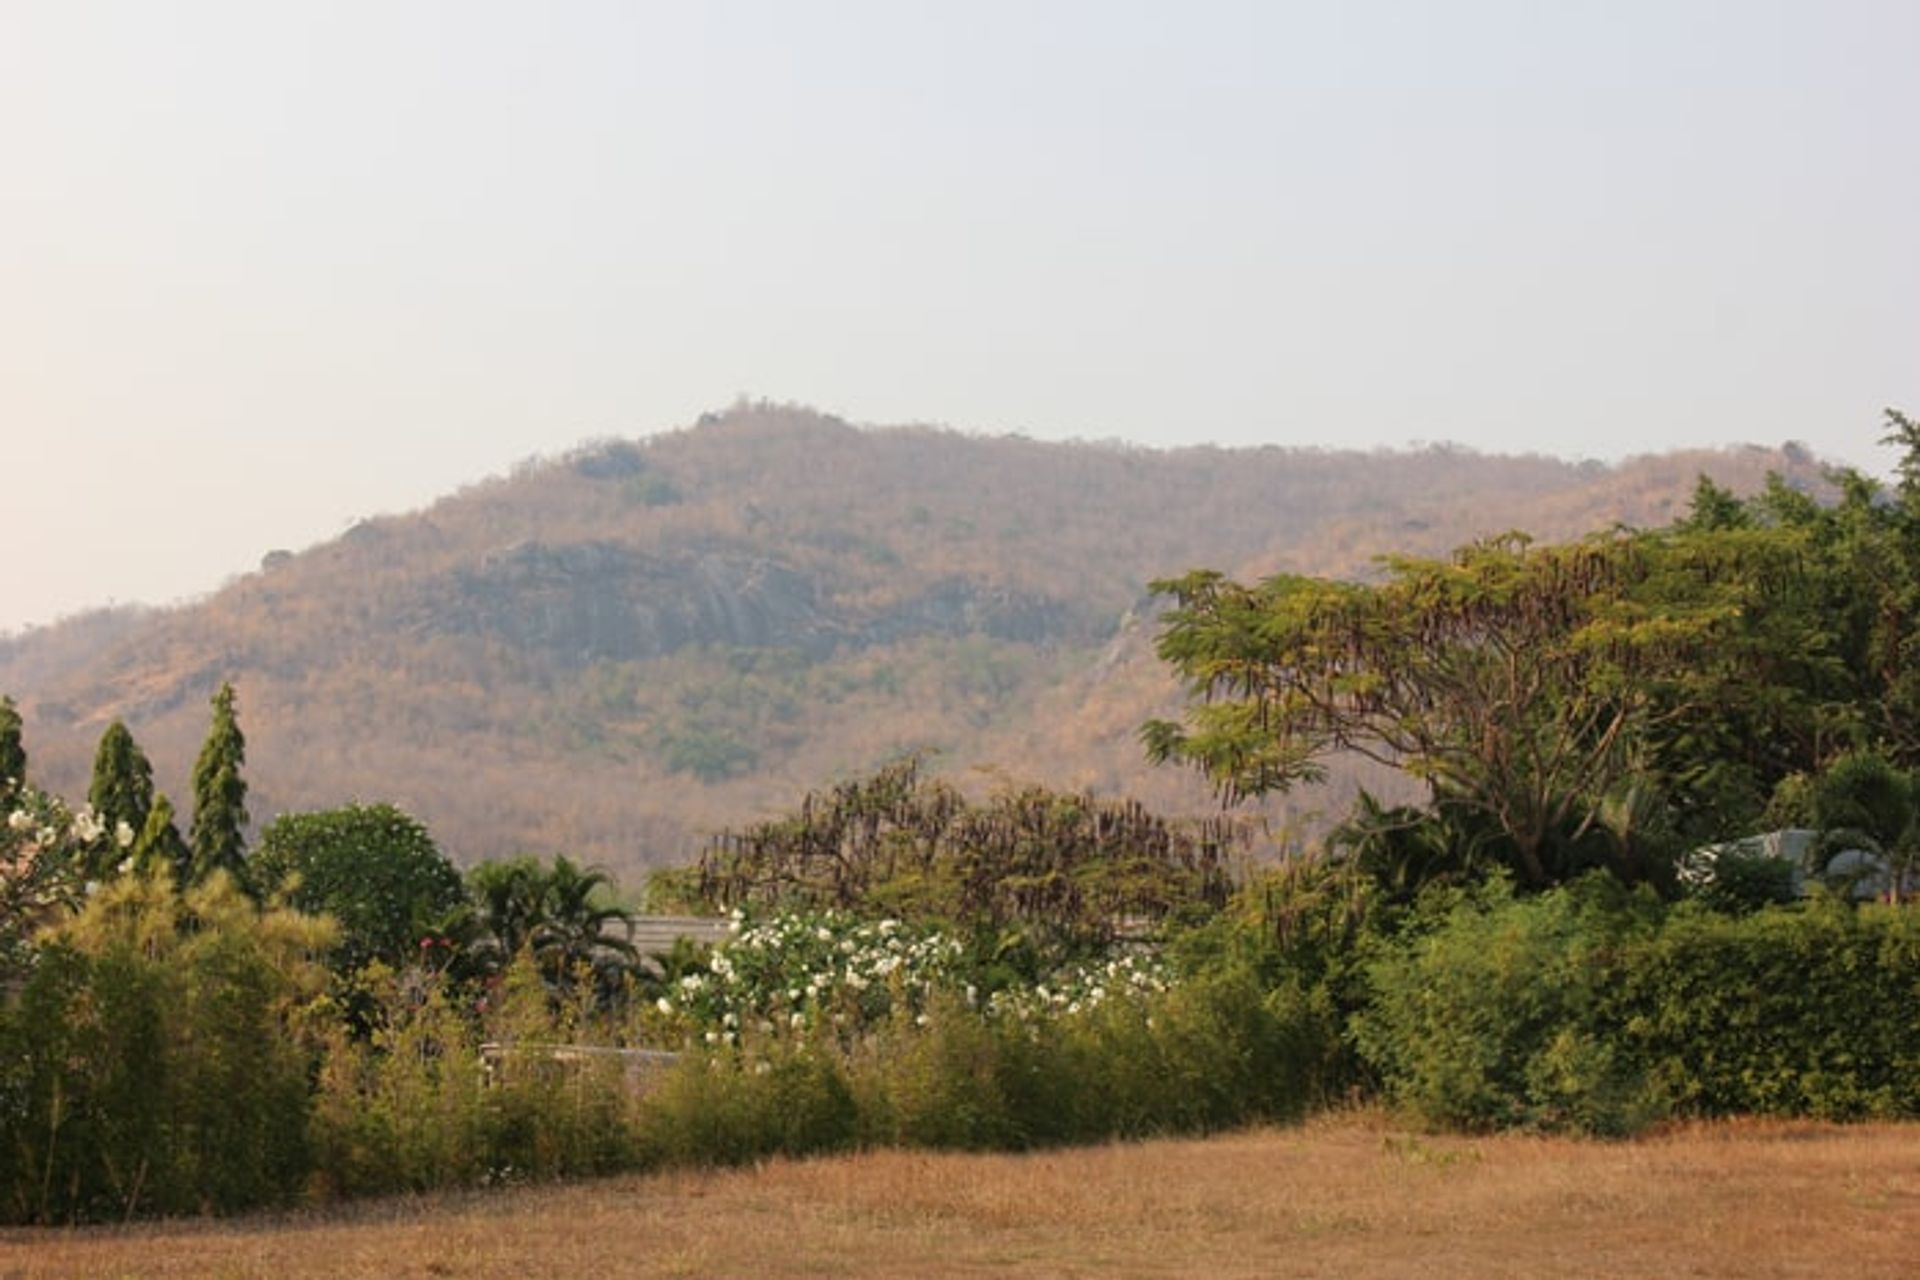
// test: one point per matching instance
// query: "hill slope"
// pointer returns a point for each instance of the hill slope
(614, 652)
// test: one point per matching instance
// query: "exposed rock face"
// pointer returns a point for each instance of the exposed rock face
(580, 603)
(585, 602)
(957, 607)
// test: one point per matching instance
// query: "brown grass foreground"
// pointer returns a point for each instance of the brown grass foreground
(1349, 1196)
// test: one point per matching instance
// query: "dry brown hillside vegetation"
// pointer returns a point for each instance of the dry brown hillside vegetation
(615, 652)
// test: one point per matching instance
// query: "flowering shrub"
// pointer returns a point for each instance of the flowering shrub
(46, 850)
(795, 973)
(1083, 987)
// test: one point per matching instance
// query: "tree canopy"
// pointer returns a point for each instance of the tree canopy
(565, 915)
(1064, 867)
(1529, 684)
(1578, 698)
(372, 867)
(159, 843)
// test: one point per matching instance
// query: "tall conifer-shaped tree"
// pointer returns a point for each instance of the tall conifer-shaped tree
(220, 796)
(13, 756)
(122, 790)
(159, 843)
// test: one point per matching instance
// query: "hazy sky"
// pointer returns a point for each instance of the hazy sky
(266, 267)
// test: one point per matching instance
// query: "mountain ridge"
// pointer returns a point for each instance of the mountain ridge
(616, 650)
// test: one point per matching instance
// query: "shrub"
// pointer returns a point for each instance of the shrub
(1804, 1010)
(730, 1106)
(155, 1060)
(1492, 1018)
(942, 1083)
(400, 1108)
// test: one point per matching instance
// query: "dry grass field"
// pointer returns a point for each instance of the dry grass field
(1346, 1196)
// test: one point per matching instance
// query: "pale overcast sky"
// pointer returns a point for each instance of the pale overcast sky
(266, 267)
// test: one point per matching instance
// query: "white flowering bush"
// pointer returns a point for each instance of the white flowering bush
(1083, 987)
(799, 972)
(795, 973)
(46, 849)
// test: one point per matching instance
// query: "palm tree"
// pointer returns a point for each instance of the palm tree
(1403, 848)
(564, 915)
(574, 929)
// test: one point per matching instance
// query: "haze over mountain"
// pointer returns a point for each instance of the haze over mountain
(617, 651)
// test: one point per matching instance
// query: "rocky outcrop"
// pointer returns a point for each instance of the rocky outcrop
(580, 603)
(586, 602)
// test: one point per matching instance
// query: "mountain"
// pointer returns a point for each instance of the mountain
(615, 652)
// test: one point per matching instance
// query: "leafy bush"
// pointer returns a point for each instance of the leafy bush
(731, 1106)
(1588, 1010)
(400, 1108)
(1490, 1018)
(155, 1060)
(1791, 1011)
(1738, 880)
(417, 1104)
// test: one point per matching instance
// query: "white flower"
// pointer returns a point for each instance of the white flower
(19, 820)
(122, 833)
(86, 827)
(663, 1004)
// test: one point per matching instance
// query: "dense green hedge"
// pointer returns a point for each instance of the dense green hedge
(1810, 1010)
(1594, 1010)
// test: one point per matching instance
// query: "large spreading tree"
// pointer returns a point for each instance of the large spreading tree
(1531, 685)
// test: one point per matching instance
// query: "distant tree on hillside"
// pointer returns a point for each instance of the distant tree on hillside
(217, 839)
